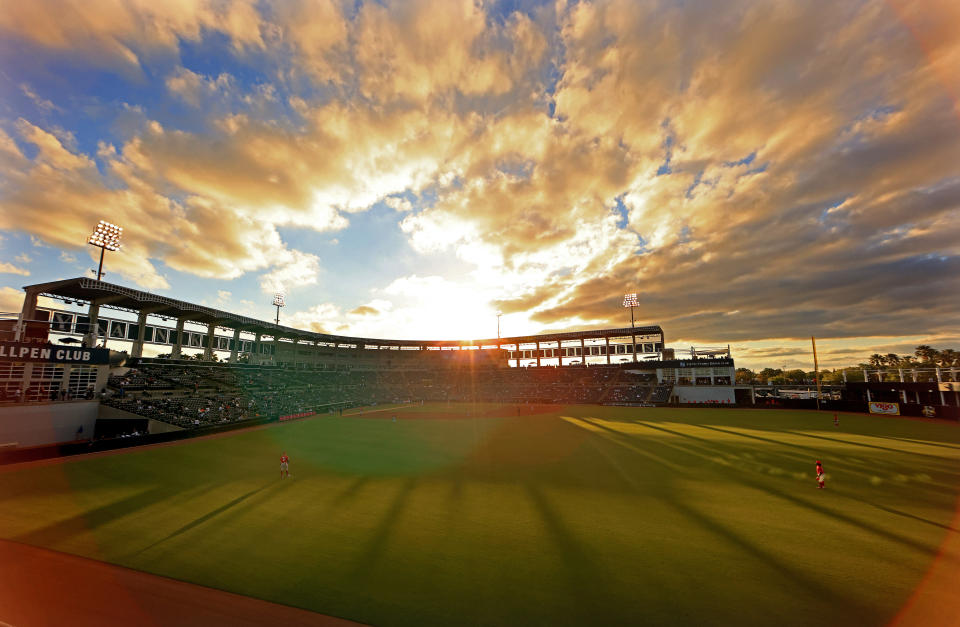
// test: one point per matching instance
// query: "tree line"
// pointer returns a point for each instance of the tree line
(923, 357)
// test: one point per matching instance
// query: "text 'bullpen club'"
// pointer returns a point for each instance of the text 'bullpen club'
(14, 351)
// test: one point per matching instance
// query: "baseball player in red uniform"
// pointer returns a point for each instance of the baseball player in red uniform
(285, 466)
(820, 477)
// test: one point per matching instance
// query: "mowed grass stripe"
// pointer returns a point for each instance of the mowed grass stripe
(584, 515)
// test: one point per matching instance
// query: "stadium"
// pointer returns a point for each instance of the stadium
(596, 476)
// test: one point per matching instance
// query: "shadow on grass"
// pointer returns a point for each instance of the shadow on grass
(350, 491)
(791, 575)
(622, 439)
(587, 581)
(789, 496)
(380, 536)
(868, 468)
(747, 479)
(202, 519)
(954, 447)
(795, 577)
(54, 533)
(898, 512)
(864, 444)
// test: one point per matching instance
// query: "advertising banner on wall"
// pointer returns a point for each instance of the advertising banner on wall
(890, 409)
(52, 353)
(302, 414)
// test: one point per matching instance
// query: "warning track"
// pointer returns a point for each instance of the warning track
(40, 587)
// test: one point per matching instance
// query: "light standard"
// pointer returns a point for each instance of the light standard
(105, 236)
(499, 313)
(278, 301)
(630, 300)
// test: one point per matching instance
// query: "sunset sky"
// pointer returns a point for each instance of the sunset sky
(759, 172)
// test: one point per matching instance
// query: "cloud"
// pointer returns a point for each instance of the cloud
(11, 299)
(124, 35)
(397, 203)
(196, 89)
(9, 268)
(322, 318)
(23, 258)
(41, 103)
(762, 171)
(298, 269)
(59, 195)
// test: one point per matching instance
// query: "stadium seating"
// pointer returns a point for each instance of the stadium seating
(193, 396)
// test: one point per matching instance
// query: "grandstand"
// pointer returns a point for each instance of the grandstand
(221, 369)
(213, 369)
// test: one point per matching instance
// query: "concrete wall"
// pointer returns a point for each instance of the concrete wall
(158, 426)
(47, 423)
(704, 393)
(154, 426)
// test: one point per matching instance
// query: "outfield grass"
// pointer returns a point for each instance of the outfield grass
(595, 515)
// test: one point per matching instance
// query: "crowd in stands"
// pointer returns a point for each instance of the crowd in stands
(190, 396)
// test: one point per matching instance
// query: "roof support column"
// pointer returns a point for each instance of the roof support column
(608, 349)
(256, 348)
(90, 337)
(583, 353)
(27, 312)
(943, 401)
(236, 346)
(538, 353)
(178, 343)
(208, 351)
(25, 383)
(137, 350)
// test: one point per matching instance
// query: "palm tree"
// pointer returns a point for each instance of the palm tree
(926, 353)
(892, 360)
(876, 360)
(948, 358)
(908, 361)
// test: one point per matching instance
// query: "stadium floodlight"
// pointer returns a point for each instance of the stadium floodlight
(278, 301)
(630, 300)
(499, 313)
(105, 236)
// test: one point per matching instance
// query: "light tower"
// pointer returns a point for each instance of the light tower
(499, 313)
(278, 301)
(630, 300)
(105, 236)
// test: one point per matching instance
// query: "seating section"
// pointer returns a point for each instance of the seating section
(192, 396)
(661, 394)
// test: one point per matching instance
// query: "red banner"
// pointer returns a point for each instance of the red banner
(303, 414)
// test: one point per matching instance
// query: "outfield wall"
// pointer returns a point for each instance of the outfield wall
(35, 424)
(686, 394)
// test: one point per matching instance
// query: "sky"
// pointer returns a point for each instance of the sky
(757, 172)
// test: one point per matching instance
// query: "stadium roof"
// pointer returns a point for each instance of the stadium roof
(85, 290)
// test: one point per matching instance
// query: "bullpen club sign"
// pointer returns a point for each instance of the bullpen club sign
(50, 353)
